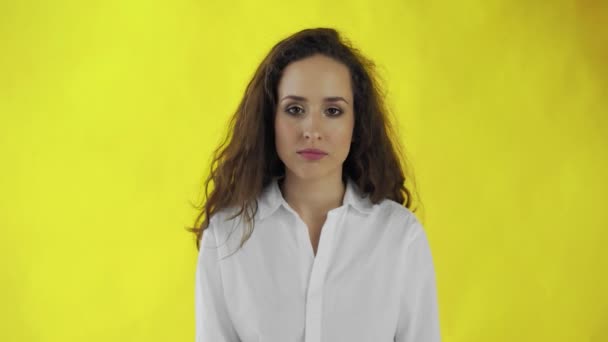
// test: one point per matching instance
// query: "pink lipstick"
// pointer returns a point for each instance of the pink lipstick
(312, 154)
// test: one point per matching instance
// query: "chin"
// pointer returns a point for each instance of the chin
(310, 173)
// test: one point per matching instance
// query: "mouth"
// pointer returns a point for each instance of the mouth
(312, 155)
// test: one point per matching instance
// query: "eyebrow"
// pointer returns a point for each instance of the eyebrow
(327, 99)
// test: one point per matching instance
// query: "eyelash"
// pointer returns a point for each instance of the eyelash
(287, 110)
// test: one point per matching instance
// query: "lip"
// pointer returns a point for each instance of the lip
(312, 150)
(312, 154)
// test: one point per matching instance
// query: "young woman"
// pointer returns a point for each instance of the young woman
(336, 253)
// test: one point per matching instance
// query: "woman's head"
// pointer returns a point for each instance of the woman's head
(336, 105)
(314, 111)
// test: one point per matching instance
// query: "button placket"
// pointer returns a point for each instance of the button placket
(314, 296)
(306, 260)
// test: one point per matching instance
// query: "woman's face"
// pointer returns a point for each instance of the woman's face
(314, 110)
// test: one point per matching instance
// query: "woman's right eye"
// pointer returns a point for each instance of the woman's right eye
(290, 110)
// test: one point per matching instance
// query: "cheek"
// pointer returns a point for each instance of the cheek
(343, 133)
(284, 132)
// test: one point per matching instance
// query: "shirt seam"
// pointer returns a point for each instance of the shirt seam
(219, 267)
(415, 235)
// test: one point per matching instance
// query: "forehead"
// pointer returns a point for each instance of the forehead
(315, 77)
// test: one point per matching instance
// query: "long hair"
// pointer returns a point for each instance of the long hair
(246, 161)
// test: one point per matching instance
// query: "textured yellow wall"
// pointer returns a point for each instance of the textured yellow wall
(110, 109)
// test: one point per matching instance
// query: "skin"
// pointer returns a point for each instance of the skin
(312, 188)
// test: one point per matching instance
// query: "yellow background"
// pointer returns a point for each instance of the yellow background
(110, 109)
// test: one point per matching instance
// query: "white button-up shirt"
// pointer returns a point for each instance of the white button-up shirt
(371, 280)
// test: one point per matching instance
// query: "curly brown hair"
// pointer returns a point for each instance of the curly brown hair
(247, 161)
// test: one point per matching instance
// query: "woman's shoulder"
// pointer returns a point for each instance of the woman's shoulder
(402, 219)
(226, 228)
(225, 215)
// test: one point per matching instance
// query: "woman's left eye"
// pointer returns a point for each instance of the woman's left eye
(336, 112)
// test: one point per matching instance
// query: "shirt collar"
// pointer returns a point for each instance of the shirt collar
(272, 198)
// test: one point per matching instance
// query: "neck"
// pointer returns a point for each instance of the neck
(313, 197)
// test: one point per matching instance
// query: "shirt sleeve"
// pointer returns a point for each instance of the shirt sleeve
(213, 323)
(419, 319)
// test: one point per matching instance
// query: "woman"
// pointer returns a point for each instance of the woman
(312, 164)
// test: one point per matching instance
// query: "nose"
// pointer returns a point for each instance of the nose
(311, 126)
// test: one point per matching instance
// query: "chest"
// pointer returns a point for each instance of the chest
(276, 290)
